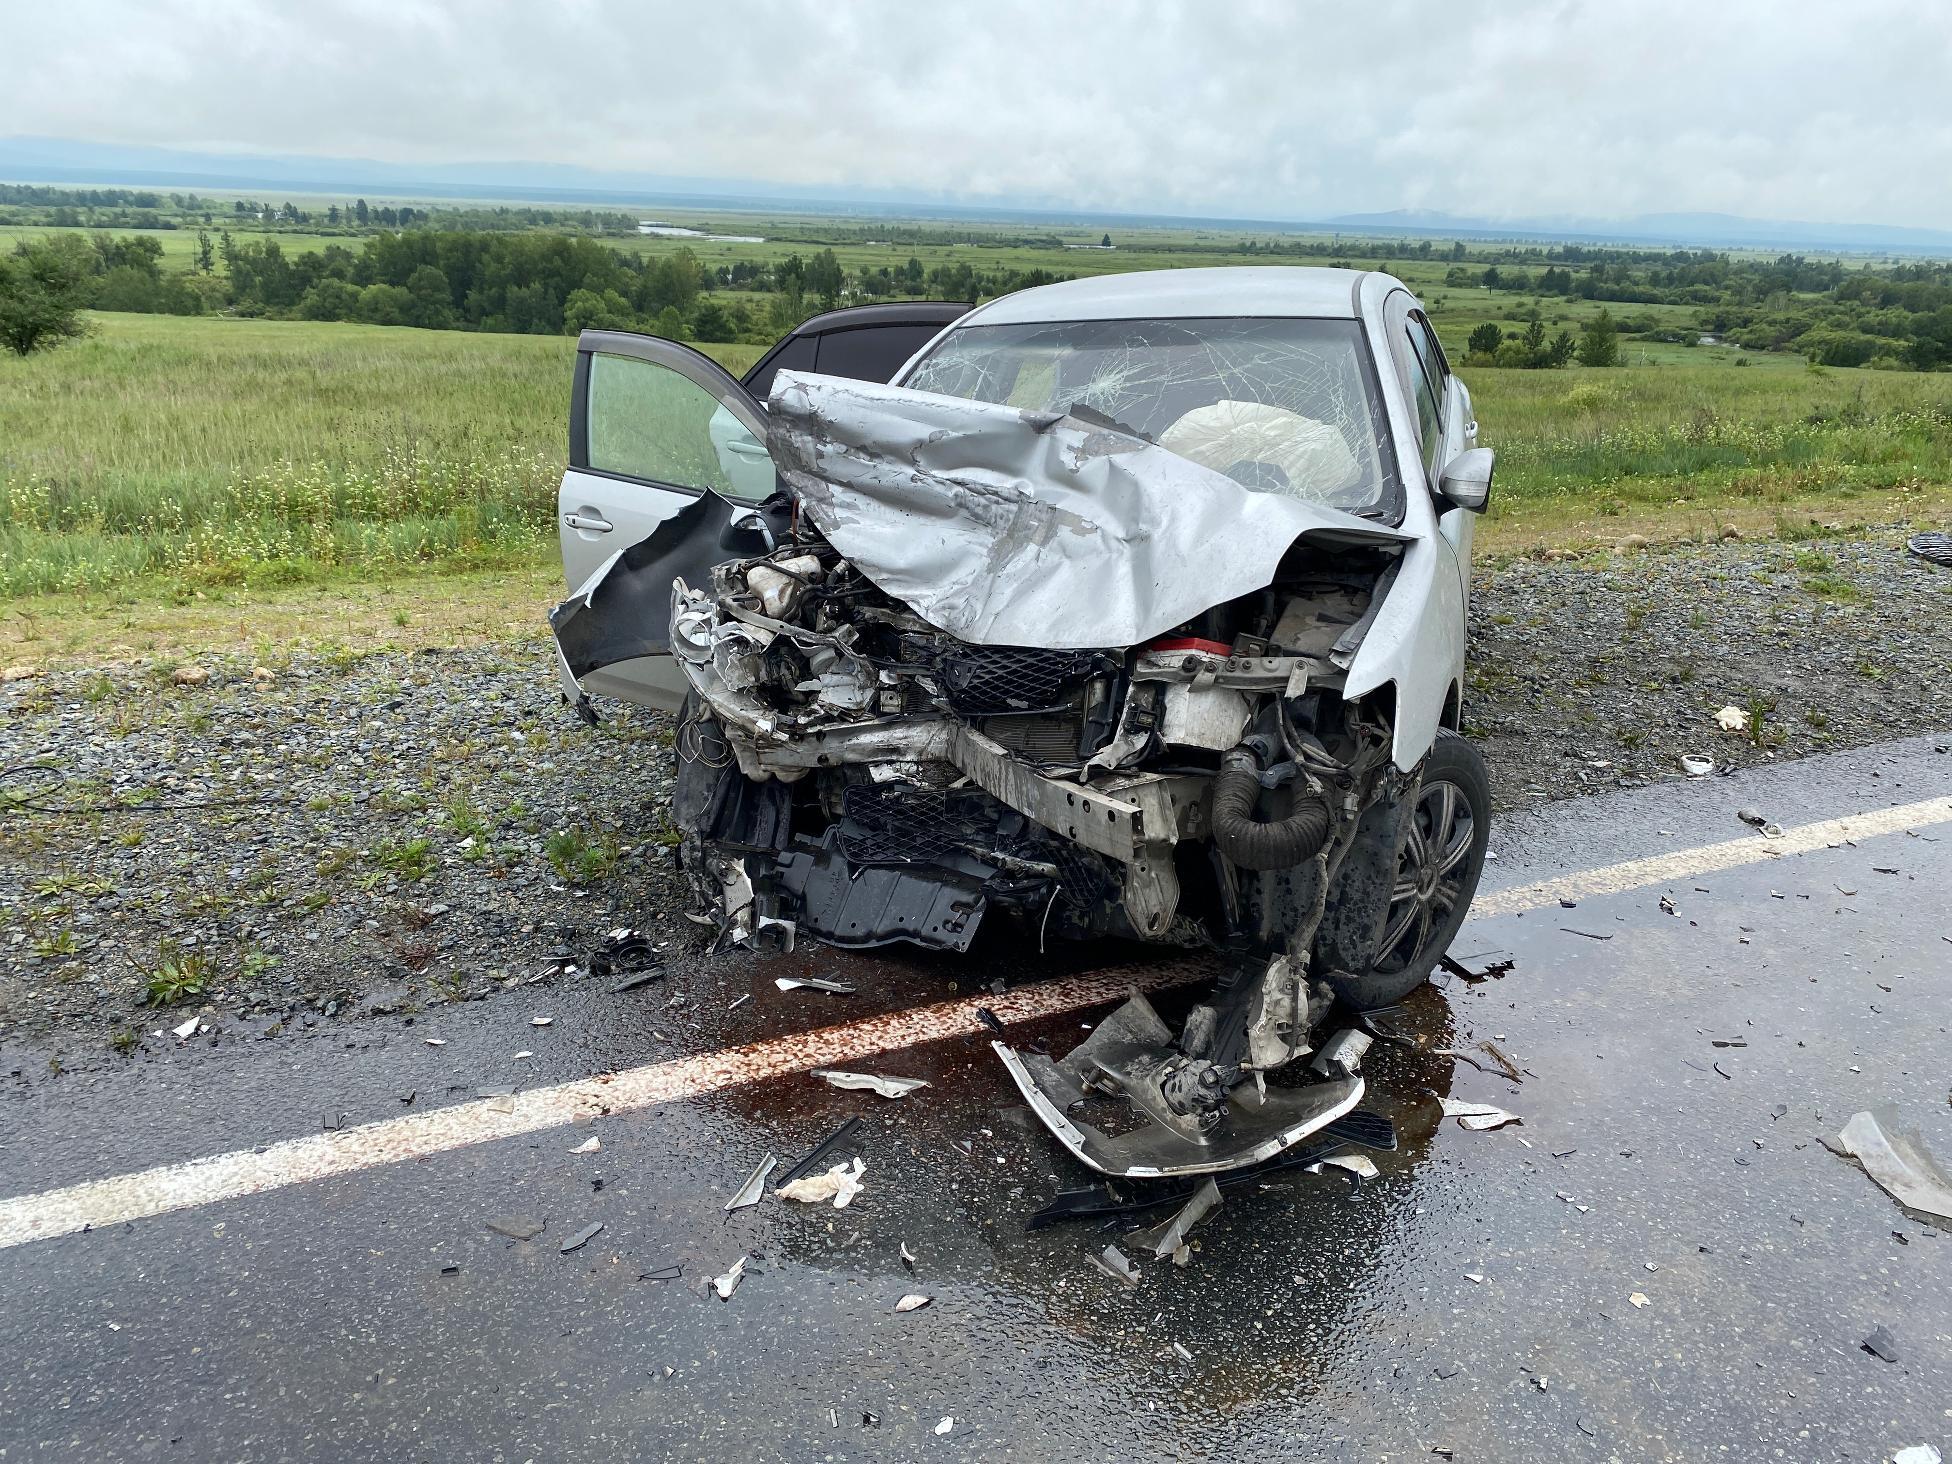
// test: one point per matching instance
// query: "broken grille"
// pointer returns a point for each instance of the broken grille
(900, 823)
(982, 681)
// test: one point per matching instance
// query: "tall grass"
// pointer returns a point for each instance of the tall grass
(224, 451)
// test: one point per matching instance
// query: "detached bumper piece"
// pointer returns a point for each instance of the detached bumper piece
(1256, 1125)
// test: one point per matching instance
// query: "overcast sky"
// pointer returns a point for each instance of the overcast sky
(1772, 108)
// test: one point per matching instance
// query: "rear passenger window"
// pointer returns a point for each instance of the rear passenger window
(795, 354)
(872, 353)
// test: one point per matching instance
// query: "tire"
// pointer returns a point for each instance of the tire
(1431, 896)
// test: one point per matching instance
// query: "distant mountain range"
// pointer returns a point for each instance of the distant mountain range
(62, 160)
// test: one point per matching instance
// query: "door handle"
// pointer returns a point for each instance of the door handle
(748, 449)
(588, 523)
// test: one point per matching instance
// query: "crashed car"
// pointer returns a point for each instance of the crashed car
(1130, 606)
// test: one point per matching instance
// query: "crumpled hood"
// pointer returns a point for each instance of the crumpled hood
(1006, 527)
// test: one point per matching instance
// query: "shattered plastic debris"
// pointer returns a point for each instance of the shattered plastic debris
(813, 983)
(1117, 1265)
(754, 1187)
(1639, 1298)
(540, 1021)
(1477, 1115)
(625, 952)
(1357, 1164)
(188, 1029)
(887, 1087)
(516, 1227)
(590, 1145)
(1697, 767)
(949, 1423)
(582, 1237)
(839, 1184)
(1900, 1163)
(1168, 1239)
(907, 1256)
(1881, 1345)
(913, 1302)
(1732, 718)
(1918, 1454)
(435, 1041)
(728, 1283)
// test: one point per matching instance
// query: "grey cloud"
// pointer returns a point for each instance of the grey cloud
(1531, 107)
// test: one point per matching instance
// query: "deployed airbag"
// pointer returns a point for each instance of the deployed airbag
(1006, 527)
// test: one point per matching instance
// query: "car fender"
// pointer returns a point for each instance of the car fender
(1416, 642)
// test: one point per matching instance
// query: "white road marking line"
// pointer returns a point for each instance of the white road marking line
(1613, 879)
(126, 1197)
(168, 1187)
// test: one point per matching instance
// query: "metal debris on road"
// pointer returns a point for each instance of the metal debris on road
(754, 1187)
(813, 983)
(839, 1184)
(740, 1002)
(1590, 935)
(1477, 1115)
(728, 1283)
(590, 1145)
(1168, 1239)
(1899, 1162)
(913, 1302)
(1117, 1265)
(1360, 1164)
(887, 1087)
(582, 1237)
(663, 1273)
(1881, 1345)
(516, 1227)
(334, 1120)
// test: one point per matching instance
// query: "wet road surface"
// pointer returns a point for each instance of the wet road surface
(371, 1314)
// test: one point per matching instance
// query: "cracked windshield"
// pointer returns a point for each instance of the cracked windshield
(1279, 406)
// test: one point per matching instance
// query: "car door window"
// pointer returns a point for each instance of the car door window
(649, 422)
(871, 353)
(795, 353)
(1430, 417)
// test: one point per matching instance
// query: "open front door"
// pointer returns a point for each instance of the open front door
(667, 476)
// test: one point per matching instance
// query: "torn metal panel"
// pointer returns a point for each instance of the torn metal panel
(1012, 528)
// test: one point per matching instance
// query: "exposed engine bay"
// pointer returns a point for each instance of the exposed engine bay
(848, 771)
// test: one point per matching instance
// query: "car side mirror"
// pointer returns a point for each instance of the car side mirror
(1466, 479)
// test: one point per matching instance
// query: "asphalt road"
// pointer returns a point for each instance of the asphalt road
(1478, 1299)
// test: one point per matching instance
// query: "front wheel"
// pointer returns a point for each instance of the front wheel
(1437, 873)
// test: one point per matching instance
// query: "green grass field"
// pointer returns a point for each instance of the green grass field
(169, 454)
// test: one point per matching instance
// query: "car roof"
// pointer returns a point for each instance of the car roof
(1279, 291)
(897, 312)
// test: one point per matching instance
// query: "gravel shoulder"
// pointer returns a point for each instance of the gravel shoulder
(309, 840)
